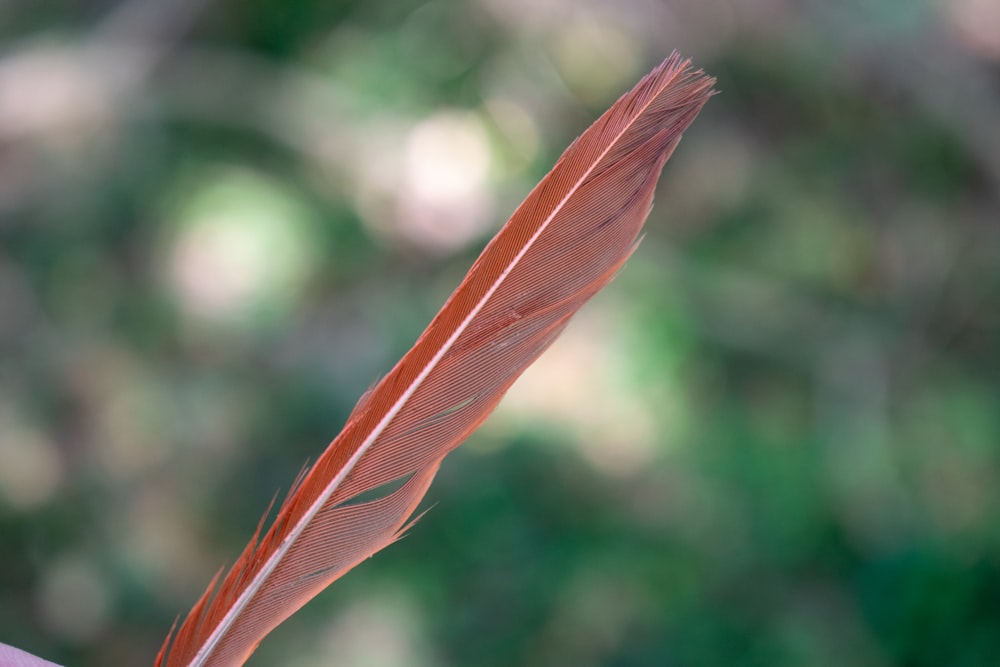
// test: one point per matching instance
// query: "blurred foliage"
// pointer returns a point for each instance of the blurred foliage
(772, 441)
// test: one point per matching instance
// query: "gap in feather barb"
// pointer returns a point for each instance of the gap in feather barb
(564, 243)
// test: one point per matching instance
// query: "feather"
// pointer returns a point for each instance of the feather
(562, 245)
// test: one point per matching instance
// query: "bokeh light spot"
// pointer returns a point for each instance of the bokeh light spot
(241, 251)
(74, 600)
(445, 202)
(595, 58)
(31, 470)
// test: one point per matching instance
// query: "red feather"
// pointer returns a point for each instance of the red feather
(561, 246)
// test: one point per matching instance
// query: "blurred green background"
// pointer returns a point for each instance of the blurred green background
(772, 441)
